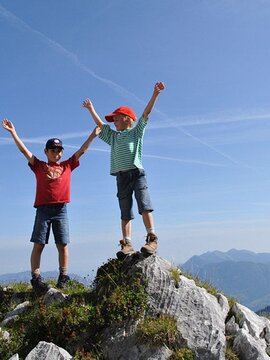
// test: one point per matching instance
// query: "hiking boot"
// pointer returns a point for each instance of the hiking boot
(126, 249)
(62, 281)
(150, 247)
(39, 286)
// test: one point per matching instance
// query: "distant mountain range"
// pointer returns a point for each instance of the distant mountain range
(25, 276)
(241, 274)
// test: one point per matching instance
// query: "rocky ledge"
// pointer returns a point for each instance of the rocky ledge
(209, 326)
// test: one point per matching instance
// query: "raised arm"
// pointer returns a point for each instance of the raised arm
(87, 143)
(89, 105)
(157, 89)
(7, 124)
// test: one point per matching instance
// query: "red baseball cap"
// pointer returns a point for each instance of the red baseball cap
(121, 110)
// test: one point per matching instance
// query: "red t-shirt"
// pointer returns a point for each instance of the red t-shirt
(53, 181)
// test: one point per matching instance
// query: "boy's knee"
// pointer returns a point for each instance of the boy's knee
(62, 247)
(38, 247)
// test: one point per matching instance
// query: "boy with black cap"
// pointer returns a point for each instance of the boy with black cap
(52, 196)
(126, 164)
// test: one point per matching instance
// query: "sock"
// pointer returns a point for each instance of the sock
(62, 270)
(150, 230)
(128, 238)
(35, 273)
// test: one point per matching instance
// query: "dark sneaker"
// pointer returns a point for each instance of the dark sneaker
(39, 286)
(62, 281)
(126, 249)
(150, 247)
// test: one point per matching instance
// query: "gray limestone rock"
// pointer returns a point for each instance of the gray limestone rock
(200, 317)
(231, 327)
(258, 326)
(121, 343)
(202, 320)
(253, 339)
(54, 295)
(14, 357)
(248, 347)
(4, 335)
(11, 315)
(48, 351)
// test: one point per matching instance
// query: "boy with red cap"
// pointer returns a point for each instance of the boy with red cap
(52, 196)
(126, 164)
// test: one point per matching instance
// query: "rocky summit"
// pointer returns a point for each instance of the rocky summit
(181, 320)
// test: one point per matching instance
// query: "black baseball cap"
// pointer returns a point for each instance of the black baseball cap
(54, 143)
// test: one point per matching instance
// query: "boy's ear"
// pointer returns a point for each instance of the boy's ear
(45, 151)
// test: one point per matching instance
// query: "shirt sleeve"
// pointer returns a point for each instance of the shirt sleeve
(106, 134)
(140, 127)
(35, 164)
(73, 162)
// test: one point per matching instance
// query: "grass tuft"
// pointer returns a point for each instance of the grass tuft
(158, 330)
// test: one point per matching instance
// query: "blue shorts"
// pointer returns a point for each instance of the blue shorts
(130, 181)
(47, 216)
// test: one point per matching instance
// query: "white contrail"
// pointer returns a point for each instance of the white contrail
(189, 161)
(42, 141)
(17, 22)
(215, 119)
(187, 133)
(9, 16)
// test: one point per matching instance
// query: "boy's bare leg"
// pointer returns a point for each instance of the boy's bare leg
(38, 285)
(63, 255)
(126, 229)
(148, 220)
(35, 259)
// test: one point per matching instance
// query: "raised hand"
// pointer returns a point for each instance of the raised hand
(87, 103)
(159, 86)
(7, 124)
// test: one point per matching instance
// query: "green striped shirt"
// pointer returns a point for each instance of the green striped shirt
(126, 146)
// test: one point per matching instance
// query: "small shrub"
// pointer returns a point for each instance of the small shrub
(118, 296)
(182, 354)
(10, 347)
(158, 330)
(230, 354)
(232, 301)
(66, 325)
(203, 284)
(175, 273)
(76, 324)
(13, 294)
(82, 355)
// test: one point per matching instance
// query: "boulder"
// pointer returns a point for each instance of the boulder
(11, 315)
(48, 351)
(252, 340)
(14, 357)
(200, 317)
(54, 295)
(4, 335)
(248, 347)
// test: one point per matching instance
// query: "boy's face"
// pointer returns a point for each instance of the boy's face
(122, 122)
(54, 155)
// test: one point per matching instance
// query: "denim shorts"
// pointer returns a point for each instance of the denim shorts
(130, 181)
(47, 216)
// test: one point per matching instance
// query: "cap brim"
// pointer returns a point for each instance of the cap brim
(55, 147)
(109, 117)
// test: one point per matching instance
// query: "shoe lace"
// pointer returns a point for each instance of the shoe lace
(151, 238)
(122, 243)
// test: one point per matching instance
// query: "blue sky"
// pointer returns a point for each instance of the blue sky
(206, 149)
